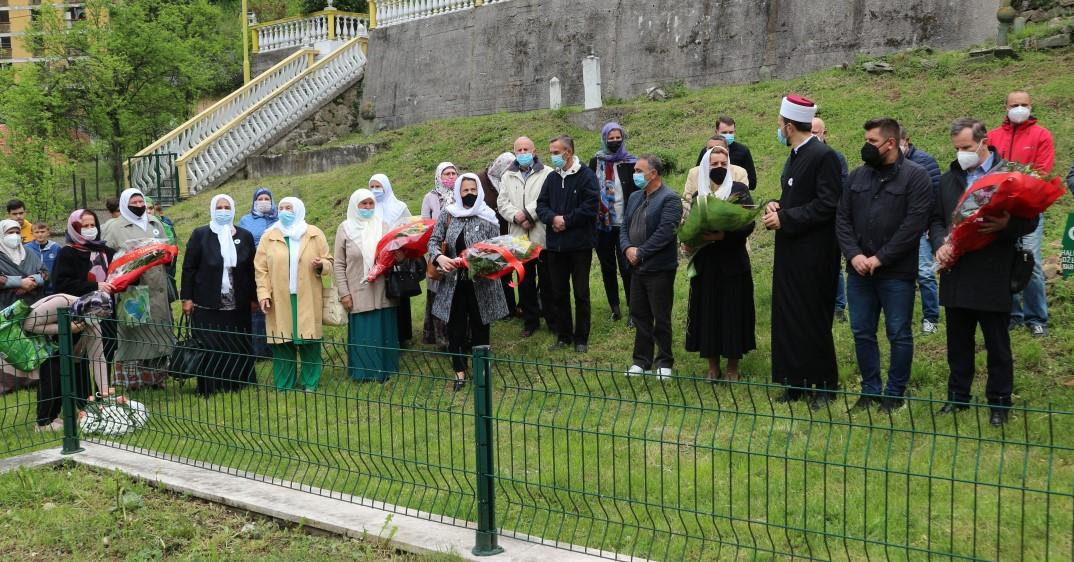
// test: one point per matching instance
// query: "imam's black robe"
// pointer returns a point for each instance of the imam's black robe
(806, 269)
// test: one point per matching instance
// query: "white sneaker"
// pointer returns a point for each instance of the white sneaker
(635, 371)
(663, 373)
(929, 328)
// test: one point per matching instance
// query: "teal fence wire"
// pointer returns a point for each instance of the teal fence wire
(586, 459)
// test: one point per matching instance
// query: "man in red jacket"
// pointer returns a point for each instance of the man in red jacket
(1020, 139)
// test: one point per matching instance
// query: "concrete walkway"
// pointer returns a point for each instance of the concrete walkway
(300, 504)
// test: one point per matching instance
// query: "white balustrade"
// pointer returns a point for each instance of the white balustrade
(298, 32)
(143, 172)
(392, 12)
(217, 157)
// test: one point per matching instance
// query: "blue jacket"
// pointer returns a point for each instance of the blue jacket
(48, 256)
(659, 252)
(925, 160)
(257, 223)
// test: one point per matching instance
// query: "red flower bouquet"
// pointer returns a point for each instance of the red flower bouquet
(412, 239)
(500, 256)
(137, 258)
(1018, 190)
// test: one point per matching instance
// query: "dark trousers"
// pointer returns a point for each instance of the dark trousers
(49, 393)
(571, 269)
(613, 265)
(465, 321)
(961, 345)
(651, 297)
(534, 307)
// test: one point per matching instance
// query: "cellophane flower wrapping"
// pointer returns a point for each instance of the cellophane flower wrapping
(112, 416)
(136, 257)
(411, 238)
(709, 213)
(1015, 188)
(500, 256)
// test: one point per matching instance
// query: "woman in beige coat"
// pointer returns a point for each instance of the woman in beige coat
(372, 326)
(288, 267)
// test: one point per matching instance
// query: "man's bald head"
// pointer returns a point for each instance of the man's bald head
(523, 145)
(819, 129)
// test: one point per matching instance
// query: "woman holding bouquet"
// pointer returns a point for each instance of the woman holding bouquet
(288, 266)
(372, 331)
(218, 292)
(721, 318)
(468, 306)
(434, 332)
(392, 212)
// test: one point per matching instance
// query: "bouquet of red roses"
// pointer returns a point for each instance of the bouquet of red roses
(137, 257)
(1015, 189)
(412, 239)
(500, 256)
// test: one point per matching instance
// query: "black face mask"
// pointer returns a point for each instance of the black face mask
(717, 175)
(614, 146)
(871, 155)
(138, 211)
(469, 200)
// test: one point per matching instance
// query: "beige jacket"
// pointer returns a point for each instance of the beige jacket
(271, 270)
(518, 193)
(349, 265)
(738, 175)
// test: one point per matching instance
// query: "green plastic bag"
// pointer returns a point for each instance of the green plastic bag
(133, 307)
(20, 350)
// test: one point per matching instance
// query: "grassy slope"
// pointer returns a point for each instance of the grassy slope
(924, 93)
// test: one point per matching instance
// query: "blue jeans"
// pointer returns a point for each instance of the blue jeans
(926, 282)
(841, 290)
(1031, 306)
(895, 297)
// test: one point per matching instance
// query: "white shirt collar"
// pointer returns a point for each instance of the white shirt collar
(803, 143)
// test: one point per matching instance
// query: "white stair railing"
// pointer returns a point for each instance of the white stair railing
(143, 173)
(213, 160)
(392, 12)
(300, 31)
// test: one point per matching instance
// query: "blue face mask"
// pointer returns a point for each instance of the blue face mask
(524, 160)
(365, 214)
(223, 216)
(730, 138)
(782, 138)
(287, 218)
(639, 180)
(378, 192)
(558, 161)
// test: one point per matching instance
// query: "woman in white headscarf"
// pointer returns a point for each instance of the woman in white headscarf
(440, 196)
(288, 266)
(218, 292)
(720, 320)
(468, 305)
(393, 212)
(22, 273)
(142, 350)
(372, 331)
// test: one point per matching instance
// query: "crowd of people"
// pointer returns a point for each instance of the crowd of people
(259, 289)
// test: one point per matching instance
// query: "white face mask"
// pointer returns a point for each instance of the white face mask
(263, 206)
(1019, 115)
(89, 233)
(12, 240)
(968, 159)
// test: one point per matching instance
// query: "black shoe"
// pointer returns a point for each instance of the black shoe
(821, 400)
(630, 323)
(789, 396)
(458, 385)
(617, 313)
(841, 315)
(558, 346)
(1013, 324)
(999, 416)
(891, 404)
(581, 348)
(952, 408)
(863, 403)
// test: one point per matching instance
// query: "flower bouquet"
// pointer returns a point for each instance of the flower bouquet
(500, 256)
(112, 416)
(137, 257)
(709, 213)
(412, 239)
(23, 351)
(1015, 188)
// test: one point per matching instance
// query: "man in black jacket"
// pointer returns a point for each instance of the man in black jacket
(975, 289)
(884, 208)
(568, 206)
(740, 153)
(648, 239)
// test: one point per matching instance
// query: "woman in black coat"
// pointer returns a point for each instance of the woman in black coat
(218, 293)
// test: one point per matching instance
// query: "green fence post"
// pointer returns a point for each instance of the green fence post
(486, 540)
(67, 384)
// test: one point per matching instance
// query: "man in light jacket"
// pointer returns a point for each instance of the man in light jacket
(648, 239)
(520, 186)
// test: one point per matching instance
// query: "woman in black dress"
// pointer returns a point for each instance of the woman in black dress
(218, 294)
(721, 317)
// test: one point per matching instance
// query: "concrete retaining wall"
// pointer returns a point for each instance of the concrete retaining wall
(307, 162)
(500, 57)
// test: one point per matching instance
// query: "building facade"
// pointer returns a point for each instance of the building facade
(16, 17)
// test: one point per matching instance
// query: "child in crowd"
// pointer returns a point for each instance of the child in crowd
(46, 249)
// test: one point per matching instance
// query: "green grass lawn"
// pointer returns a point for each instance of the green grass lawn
(76, 513)
(681, 469)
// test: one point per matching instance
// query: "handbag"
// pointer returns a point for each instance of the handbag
(404, 279)
(188, 355)
(432, 271)
(332, 311)
(1021, 268)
